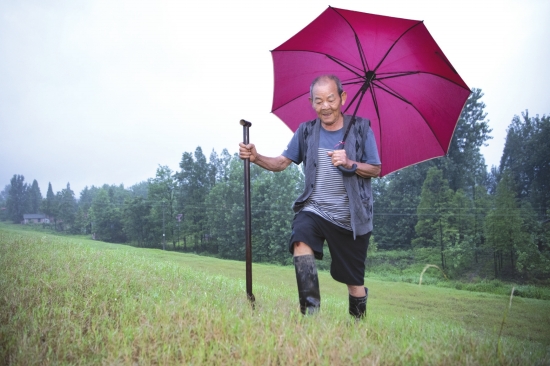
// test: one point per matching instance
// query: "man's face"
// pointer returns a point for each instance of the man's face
(326, 101)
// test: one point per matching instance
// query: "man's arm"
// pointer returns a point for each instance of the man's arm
(274, 164)
(365, 170)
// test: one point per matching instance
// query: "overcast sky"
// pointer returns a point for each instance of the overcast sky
(95, 92)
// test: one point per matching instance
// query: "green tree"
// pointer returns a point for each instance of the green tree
(225, 213)
(460, 253)
(527, 160)
(195, 179)
(138, 225)
(106, 214)
(50, 205)
(464, 161)
(17, 203)
(273, 195)
(67, 208)
(140, 189)
(396, 198)
(222, 165)
(83, 221)
(3, 202)
(87, 196)
(34, 197)
(162, 192)
(481, 205)
(533, 253)
(503, 227)
(434, 212)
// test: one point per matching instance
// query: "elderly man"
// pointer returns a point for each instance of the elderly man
(335, 207)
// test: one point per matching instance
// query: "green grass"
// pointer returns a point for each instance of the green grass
(75, 301)
(406, 266)
(390, 265)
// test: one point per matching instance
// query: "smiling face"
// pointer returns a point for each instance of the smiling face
(328, 103)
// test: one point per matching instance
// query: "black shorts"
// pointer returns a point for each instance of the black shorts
(348, 255)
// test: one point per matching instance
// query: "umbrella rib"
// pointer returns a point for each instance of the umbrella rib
(345, 65)
(394, 43)
(289, 101)
(375, 103)
(353, 100)
(364, 61)
(392, 92)
(407, 73)
(396, 74)
(351, 82)
(341, 63)
(446, 61)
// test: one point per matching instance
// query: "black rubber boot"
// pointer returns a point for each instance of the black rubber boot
(358, 305)
(308, 284)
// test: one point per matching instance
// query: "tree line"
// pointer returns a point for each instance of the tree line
(475, 221)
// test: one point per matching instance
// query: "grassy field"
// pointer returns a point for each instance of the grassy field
(406, 265)
(75, 301)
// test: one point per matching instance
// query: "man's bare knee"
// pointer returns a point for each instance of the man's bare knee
(301, 248)
(356, 291)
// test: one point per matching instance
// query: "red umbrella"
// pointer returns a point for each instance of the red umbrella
(393, 71)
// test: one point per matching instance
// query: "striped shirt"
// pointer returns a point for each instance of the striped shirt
(329, 198)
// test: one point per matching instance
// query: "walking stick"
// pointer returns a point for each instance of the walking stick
(247, 217)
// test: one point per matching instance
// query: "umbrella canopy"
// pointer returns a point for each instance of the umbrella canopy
(393, 71)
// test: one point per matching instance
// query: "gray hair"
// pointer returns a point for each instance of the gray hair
(323, 77)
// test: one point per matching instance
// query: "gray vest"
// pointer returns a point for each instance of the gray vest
(358, 189)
